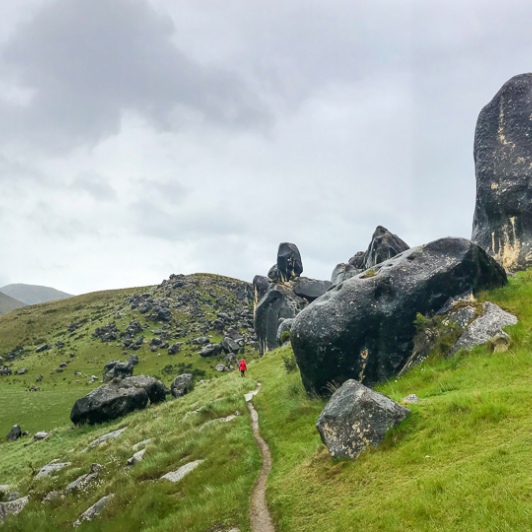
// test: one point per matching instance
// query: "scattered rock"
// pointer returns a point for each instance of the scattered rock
(502, 223)
(489, 324)
(43, 347)
(182, 384)
(220, 368)
(356, 417)
(500, 342)
(40, 435)
(141, 444)
(174, 348)
(115, 368)
(14, 434)
(178, 474)
(137, 457)
(229, 345)
(364, 328)
(22, 371)
(211, 350)
(109, 436)
(81, 482)
(412, 398)
(12, 507)
(93, 511)
(106, 403)
(52, 467)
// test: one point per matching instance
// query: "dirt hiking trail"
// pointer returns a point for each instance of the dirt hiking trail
(260, 518)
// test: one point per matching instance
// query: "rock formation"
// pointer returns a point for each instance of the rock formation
(116, 399)
(502, 223)
(355, 418)
(364, 328)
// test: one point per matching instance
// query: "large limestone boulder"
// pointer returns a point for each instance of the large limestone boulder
(310, 289)
(357, 417)
(156, 390)
(182, 384)
(278, 302)
(108, 402)
(363, 329)
(289, 261)
(502, 223)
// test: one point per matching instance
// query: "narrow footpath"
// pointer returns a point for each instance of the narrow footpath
(261, 520)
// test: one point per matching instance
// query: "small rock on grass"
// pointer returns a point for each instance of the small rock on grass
(12, 507)
(93, 511)
(178, 474)
(50, 468)
(137, 457)
(412, 398)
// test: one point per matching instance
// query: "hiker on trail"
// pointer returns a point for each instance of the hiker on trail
(242, 367)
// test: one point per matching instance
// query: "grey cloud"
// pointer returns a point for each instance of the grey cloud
(94, 185)
(89, 61)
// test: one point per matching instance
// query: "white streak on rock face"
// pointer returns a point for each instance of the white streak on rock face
(12, 507)
(178, 474)
(50, 468)
(93, 511)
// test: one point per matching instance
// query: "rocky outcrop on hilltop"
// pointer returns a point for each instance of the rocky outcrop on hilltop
(502, 222)
(364, 328)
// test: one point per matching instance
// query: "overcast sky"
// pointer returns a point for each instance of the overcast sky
(141, 138)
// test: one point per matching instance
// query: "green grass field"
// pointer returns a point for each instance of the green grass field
(460, 462)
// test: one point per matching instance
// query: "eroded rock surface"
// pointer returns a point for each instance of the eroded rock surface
(357, 417)
(12, 507)
(363, 329)
(502, 223)
(93, 511)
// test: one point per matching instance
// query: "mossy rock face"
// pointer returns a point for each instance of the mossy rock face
(364, 328)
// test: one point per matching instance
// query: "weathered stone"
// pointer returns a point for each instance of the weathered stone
(52, 467)
(211, 350)
(109, 436)
(12, 507)
(279, 302)
(93, 511)
(40, 435)
(356, 417)
(358, 260)
(412, 398)
(229, 345)
(220, 368)
(137, 457)
(155, 389)
(182, 384)
(343, 272)
(174, 348)
(81, 482)
(284, 326)
(115, 368)
(500, 342)
(502, 223)
(178, 474)
(14, 434)
(289, 261)
(261, 285)
(364, 328)
(490, 323)
(383, 246)
(310, 289)
(106, 403)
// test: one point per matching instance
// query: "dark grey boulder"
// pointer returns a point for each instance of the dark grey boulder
(342, 272)
(106, 403)
(155, 389)
(14, 434)
(211, 350)
(117, 369)
(182, 384)
(310, 289)
(502, 222)
(355, 418)
(383, 246)
(261, 285)
(364, 328)
(278, 302)
(174, 348)
(274, 275)
(229, 345)
(289, 261)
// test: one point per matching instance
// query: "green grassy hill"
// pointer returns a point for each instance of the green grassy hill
(8, 304)
(461, 461)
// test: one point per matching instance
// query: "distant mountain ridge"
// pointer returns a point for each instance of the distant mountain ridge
(31, 294)
(8, 303)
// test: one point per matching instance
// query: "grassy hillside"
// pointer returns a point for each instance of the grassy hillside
(8, 304)
(67, 326)
(461, 461)
(31, 294)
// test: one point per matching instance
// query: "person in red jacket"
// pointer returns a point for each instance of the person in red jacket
(242, 367)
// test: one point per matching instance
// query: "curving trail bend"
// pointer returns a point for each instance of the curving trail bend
(260, 518)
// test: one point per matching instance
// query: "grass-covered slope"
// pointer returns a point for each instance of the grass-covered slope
(461, 461)
(68, 325)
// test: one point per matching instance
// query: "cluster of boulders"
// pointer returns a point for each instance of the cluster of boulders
(282, 295)
(117, 369)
